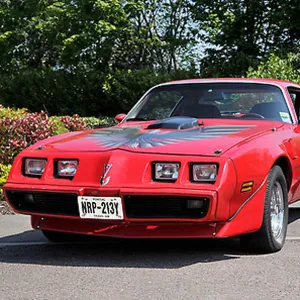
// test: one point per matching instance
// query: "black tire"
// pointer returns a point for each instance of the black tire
(60, 237)
(265, 240)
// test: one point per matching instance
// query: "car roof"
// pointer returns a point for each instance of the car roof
(282, 83)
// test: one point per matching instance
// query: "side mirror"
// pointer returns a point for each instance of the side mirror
(120, 117)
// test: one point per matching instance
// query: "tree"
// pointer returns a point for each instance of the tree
(60, 34)
(95, 34)
(161, 35)
(277, 68)
(240, 33)
(60, 55)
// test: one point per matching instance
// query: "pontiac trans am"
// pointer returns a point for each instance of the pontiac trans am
(211, 158)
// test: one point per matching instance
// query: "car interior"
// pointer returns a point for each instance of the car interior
(249, 102)
(295, 96)
(217, 104)
(202, 111)
(268, 110)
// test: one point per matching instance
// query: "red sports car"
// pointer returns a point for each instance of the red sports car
(211, 158)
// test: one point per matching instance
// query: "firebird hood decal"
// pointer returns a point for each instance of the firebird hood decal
(134, 137)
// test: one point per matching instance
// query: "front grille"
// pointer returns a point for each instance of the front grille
(135, 206)
(164, 207)
(44, 203)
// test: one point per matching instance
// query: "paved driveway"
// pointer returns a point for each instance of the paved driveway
(32, 268)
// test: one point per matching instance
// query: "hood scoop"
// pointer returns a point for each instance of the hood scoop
(178, 123)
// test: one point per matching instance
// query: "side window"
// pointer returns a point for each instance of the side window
(295, 96)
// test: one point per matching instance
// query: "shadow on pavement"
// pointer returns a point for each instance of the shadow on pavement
(117, 253)
(294, 214)
(30, 247)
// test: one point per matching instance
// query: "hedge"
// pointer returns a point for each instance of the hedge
(19, 129)
(92, 93)
(4, 171)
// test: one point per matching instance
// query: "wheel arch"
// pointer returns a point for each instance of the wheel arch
(249, 218)
(284, 163)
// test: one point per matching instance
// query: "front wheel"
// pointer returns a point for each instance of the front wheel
(271, 236)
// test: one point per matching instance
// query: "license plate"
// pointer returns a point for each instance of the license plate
(105, 208)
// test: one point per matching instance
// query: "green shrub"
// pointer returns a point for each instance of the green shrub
(58, 125)
(56, 92)
(74, 123)
(124, 88)
(92, 122)
(17, 134)
(7, 112)
(277, 68)
(4, 172)
(87, 93)
(19, 129)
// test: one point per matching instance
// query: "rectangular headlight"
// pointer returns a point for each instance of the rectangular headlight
(34, 167)
(204, 172)
(166, 171)
(66, 168)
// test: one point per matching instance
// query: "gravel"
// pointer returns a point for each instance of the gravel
(5, 209)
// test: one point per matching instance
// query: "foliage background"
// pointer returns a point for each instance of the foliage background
(95, 58)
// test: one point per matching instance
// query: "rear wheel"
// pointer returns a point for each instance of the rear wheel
(271, 236)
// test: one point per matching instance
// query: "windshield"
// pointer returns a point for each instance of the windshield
(213, 100)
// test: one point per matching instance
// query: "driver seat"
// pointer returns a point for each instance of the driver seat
(269, 110)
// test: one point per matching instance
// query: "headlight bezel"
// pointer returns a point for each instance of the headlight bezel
(209, 181)
(56, 167)
(154, 171)
(25, 166)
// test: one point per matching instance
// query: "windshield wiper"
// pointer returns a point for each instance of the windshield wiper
(176, 106)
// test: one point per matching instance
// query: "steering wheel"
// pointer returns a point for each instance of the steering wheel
(251, 116)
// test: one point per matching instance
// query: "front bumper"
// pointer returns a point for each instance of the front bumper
(54, 201)
(215, 223)
(128, 229)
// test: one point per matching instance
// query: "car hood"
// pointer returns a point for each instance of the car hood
(210, 138)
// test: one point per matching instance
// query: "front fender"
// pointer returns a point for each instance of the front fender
(253, 161)
(249, 216)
